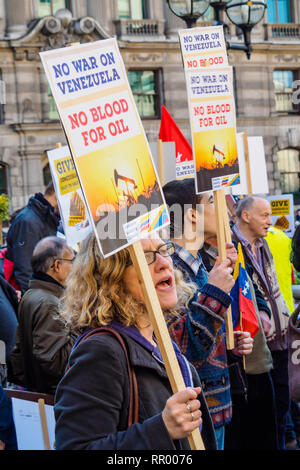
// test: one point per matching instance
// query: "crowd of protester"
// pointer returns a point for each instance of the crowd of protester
(75, 326)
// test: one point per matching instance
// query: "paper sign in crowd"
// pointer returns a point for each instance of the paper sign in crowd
(72, 206)
(108, 144)
(257, 159)
(209, 82)
(28, 425)
(282, 216)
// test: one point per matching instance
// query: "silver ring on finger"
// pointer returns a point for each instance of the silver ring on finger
(193, 417)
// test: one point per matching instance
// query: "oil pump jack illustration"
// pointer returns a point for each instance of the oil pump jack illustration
(131, 186)
(219, 156)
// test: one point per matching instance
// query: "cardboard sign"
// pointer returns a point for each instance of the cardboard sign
(213, 127)
(202, 47)
(209, 84)
(72, 206)
(257, 167)
(282, 216)
(108, 143)
(28, 424)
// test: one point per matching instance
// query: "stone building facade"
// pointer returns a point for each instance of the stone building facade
(148, 41)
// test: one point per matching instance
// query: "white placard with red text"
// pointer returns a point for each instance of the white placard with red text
(109, 147)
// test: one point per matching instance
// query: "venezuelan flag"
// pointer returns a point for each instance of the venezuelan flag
(243, 310)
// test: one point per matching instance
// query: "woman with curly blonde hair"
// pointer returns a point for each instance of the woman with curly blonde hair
(93, 398)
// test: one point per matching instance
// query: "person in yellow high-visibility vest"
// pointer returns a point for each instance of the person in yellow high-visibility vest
(280, 246)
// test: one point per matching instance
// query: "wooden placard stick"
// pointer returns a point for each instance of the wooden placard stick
(161, 164)
(247, 163)
(161, 331)
(70, 44)
(223, 236)
(41, 403)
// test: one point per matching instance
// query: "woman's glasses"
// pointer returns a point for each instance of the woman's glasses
(165, 250)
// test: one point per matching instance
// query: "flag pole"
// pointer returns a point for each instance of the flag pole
(241, 325)
(161, 166)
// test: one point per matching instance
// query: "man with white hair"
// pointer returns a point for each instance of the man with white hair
(251, 228)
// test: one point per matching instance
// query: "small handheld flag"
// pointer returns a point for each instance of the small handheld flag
(243, 310)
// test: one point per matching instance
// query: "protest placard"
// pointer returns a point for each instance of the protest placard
(110, 151)
(251, 156)
(282, 215)
(202, 47)
(72, 206)
(211, 109)
(213, 127)
(30, 425)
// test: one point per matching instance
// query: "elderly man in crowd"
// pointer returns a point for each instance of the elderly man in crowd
(253, 222)
(43, 343)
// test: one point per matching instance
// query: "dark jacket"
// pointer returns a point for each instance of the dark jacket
(268, 285)
(43, 344)
(7, 426)
(92, 400)
(8, 315)
(36, 221)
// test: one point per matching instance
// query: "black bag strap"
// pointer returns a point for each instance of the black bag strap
(133, 411)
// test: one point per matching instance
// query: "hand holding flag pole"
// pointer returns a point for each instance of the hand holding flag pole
(243, 310)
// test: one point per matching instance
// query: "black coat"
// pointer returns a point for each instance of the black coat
(43, 343)
(36, 221)
(92, 400)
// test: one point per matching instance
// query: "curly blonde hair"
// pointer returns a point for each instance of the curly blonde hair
(96, 293)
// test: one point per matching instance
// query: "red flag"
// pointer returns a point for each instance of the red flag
(170, 132)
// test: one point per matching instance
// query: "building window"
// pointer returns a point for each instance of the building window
(47, 177)
(3, 178)
(132, 9)
(2, 99)
(279, 11)
(52, 110)
(50, 7)
(144, 86)
(283, 88)
(289, 167)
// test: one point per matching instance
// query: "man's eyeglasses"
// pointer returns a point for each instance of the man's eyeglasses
(165, 250)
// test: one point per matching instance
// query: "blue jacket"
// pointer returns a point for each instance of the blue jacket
(36, 221)
(7, 427)
(200, 334)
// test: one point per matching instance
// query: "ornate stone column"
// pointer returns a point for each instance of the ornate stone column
(104, 12)
(18, 16)
(78, 8)
(2, 18)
